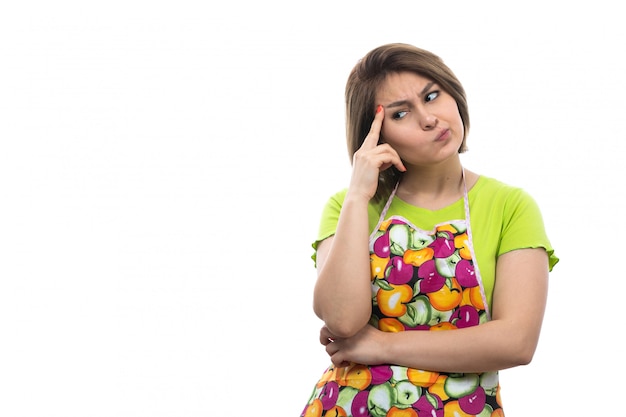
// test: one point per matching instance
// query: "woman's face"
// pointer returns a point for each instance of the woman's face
(422, 122)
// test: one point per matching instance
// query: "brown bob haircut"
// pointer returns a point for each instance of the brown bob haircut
(367, 76)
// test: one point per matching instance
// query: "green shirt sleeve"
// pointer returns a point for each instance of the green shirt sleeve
(524, 226)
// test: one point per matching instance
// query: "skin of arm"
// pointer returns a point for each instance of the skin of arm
(508, 340)
(342, 296)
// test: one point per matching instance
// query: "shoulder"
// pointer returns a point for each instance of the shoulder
(495, 201)
(339, 197)
(492, 189)
(333, 204)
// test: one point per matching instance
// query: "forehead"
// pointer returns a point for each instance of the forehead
(401, 85)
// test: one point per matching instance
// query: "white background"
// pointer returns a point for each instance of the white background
(163, 166)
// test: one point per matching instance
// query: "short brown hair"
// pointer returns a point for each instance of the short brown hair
(367, 76)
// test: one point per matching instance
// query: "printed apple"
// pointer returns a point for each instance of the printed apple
(346, 397)
(314, 409)
(390, 324)
(379, 266)
(447, 266)
(447, 297)
(422, 378)
(392, 302)
(399, 272)
(465, 273)
(465, 316)
(443, 245)
(380, 374)
(461, 385)
(399, 373)
(418, 312)
(473, 403)
(407, 393)
(336, 411)
(417, 257)
(438, 317)
(359, 377)
(429, 405)
(461, 242)
(327, 376)
(329, 395)
(380, 399)
(420, 239)
(431, 279)
(489, 381)
(399, 238)
(486, 412)
(402, 412)
(381, 246)
(359, 407)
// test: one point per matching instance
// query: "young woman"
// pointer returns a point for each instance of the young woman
(431, 278)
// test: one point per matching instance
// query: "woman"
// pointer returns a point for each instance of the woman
(431, 278)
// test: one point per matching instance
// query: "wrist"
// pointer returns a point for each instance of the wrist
(356, 197)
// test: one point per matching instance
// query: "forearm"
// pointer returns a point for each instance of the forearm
(343, 295)
(491, 346)
(508, 340)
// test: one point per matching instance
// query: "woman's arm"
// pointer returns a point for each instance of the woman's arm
(342, 296)
(508, 340)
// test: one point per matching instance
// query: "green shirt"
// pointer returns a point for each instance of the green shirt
(503, 218)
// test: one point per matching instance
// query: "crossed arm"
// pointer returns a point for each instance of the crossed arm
(343, 302)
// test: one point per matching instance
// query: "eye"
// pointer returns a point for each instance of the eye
(399, 115)
(431, 96)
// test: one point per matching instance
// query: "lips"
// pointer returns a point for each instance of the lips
(445, 134)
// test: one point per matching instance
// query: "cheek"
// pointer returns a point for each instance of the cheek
(456, 115)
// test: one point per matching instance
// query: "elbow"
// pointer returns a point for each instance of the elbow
(343, 321)
(525, 356)
(524, 352)
(342, 324)
(344, 328)
(520, 360)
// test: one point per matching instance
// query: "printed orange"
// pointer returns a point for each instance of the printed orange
(453, 409)
(314, 409)
(437, 387)
(390, 324)
(422, 378)
(447, 297)
(401, 412)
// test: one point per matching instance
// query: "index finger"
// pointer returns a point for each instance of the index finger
(371, 140)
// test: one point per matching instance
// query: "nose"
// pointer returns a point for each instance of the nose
(427, 120)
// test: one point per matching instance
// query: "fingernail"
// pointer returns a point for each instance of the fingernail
(379, 108)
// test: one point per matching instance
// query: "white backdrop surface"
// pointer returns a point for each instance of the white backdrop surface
(163, 166)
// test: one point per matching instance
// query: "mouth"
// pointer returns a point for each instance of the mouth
(445, 134)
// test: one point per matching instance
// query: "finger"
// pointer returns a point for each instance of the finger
(339, 361)
(326, 336)
(324, 339)
(385, 156)
(331, 349)
(371, 140)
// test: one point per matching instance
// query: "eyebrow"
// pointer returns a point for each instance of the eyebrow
(400, 103)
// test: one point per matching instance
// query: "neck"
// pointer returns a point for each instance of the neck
(432, 189)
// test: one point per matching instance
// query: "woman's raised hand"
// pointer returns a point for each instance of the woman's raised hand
(372, 158)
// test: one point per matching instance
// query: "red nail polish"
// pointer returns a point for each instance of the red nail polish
(379, 108)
